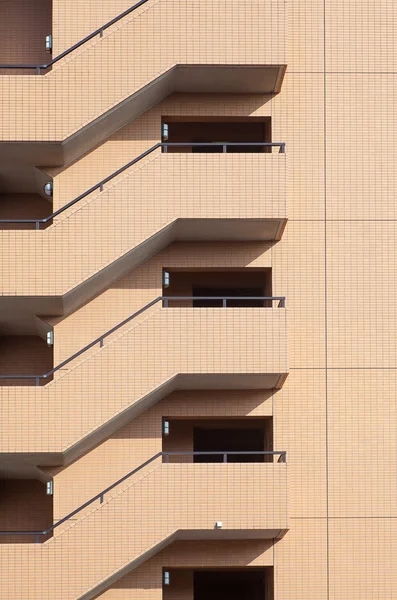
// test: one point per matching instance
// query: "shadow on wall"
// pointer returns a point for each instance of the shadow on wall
(209, 256)
(24, 26)
(188, 554)
(201, 403)
(24, 355)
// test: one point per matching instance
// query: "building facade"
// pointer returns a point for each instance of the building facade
(197, 382)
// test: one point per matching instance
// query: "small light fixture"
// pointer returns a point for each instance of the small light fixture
(166, 279)
(50, 338)
(48, 188)
(218, 525)
(166, 578)
(48, 43)
(49, 488)
(166, 428)
(165, 132)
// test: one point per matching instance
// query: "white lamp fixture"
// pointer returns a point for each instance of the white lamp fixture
(166, 279)
(49, 488)
(48, 188)
(166, 428)
(48, 43)
(50, 338)
(218, 525)
(166, 578)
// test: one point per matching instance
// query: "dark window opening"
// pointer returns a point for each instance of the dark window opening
(244, 584)
(235, 288)
(234, 440)
(213, 132)
(217, 436)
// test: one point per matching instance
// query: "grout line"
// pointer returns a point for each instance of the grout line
(345, 517)
(325, 296)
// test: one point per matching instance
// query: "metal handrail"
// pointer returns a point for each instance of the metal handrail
(99, 340)
(164, 145)
(78, 44)
(225, 453)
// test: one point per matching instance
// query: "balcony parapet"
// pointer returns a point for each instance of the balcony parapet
(192, 348)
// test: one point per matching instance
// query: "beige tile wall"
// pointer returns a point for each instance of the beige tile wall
(141, 439)
(141, 359)
(335, 415)
(155, 37)
(132, 210)
(144, 516)
(145, 582)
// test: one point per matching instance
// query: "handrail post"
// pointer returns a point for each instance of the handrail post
(101, 343)
(165, 148)
(282, 148)
(224, 302)
(36, 538)
(101, 33)
(224, 148)
(101, 499)
(37, 70)
(166, 302)
(101, 187)
(225, 458)
(37, 381)
(167, 457)
(37, 224)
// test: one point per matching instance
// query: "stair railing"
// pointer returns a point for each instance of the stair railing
(224, 453)
(166, 300)
(39, 68)
(165, 145)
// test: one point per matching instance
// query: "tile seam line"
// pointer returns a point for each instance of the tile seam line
(342, 72)
(325, 292)
(342, 220)
(344, 517)
(343, 368)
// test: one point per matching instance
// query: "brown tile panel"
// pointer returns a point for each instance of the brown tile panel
(24, 506)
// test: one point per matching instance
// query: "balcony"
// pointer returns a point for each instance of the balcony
(177, 197)
(192, 348)
(205, 440)
(175, 63)
(165, 503)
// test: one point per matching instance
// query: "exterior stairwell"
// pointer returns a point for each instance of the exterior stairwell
(124, 220)
(160, 350)
(143, 515)
(145, 54)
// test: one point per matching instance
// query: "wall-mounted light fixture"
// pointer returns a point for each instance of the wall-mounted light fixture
(49, 488)
(48, 43)
(218, 525)
(165, 132)
(166, 428)
(50, 338)
(48, 188)
(166, 279)
(166, 578)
